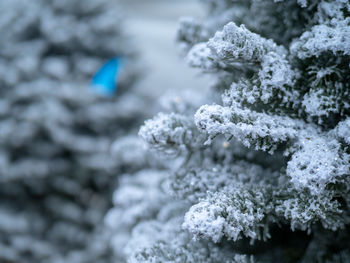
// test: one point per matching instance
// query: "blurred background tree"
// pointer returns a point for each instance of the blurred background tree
(56, 170)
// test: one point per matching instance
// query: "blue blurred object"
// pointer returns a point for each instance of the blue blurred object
(105, 80)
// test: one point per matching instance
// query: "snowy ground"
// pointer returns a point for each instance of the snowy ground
(153, 24)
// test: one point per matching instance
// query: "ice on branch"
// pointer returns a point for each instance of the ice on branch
(169, 133)
(260, 130)
(334, 38)
(194, 184)
(201, 56)
(166, 242)
(316, 162)
(238, 44)
(328, 96)
(232, 212)
(140, 197)
(277, 79)
(343, 130)
(303, 210)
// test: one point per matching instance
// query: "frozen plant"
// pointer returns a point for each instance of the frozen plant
(264, 173)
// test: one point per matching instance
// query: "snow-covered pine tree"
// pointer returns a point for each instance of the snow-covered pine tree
(55, 135)
(264, 175)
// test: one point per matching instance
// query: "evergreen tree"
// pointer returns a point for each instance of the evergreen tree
(262, 173)
(55, 164)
